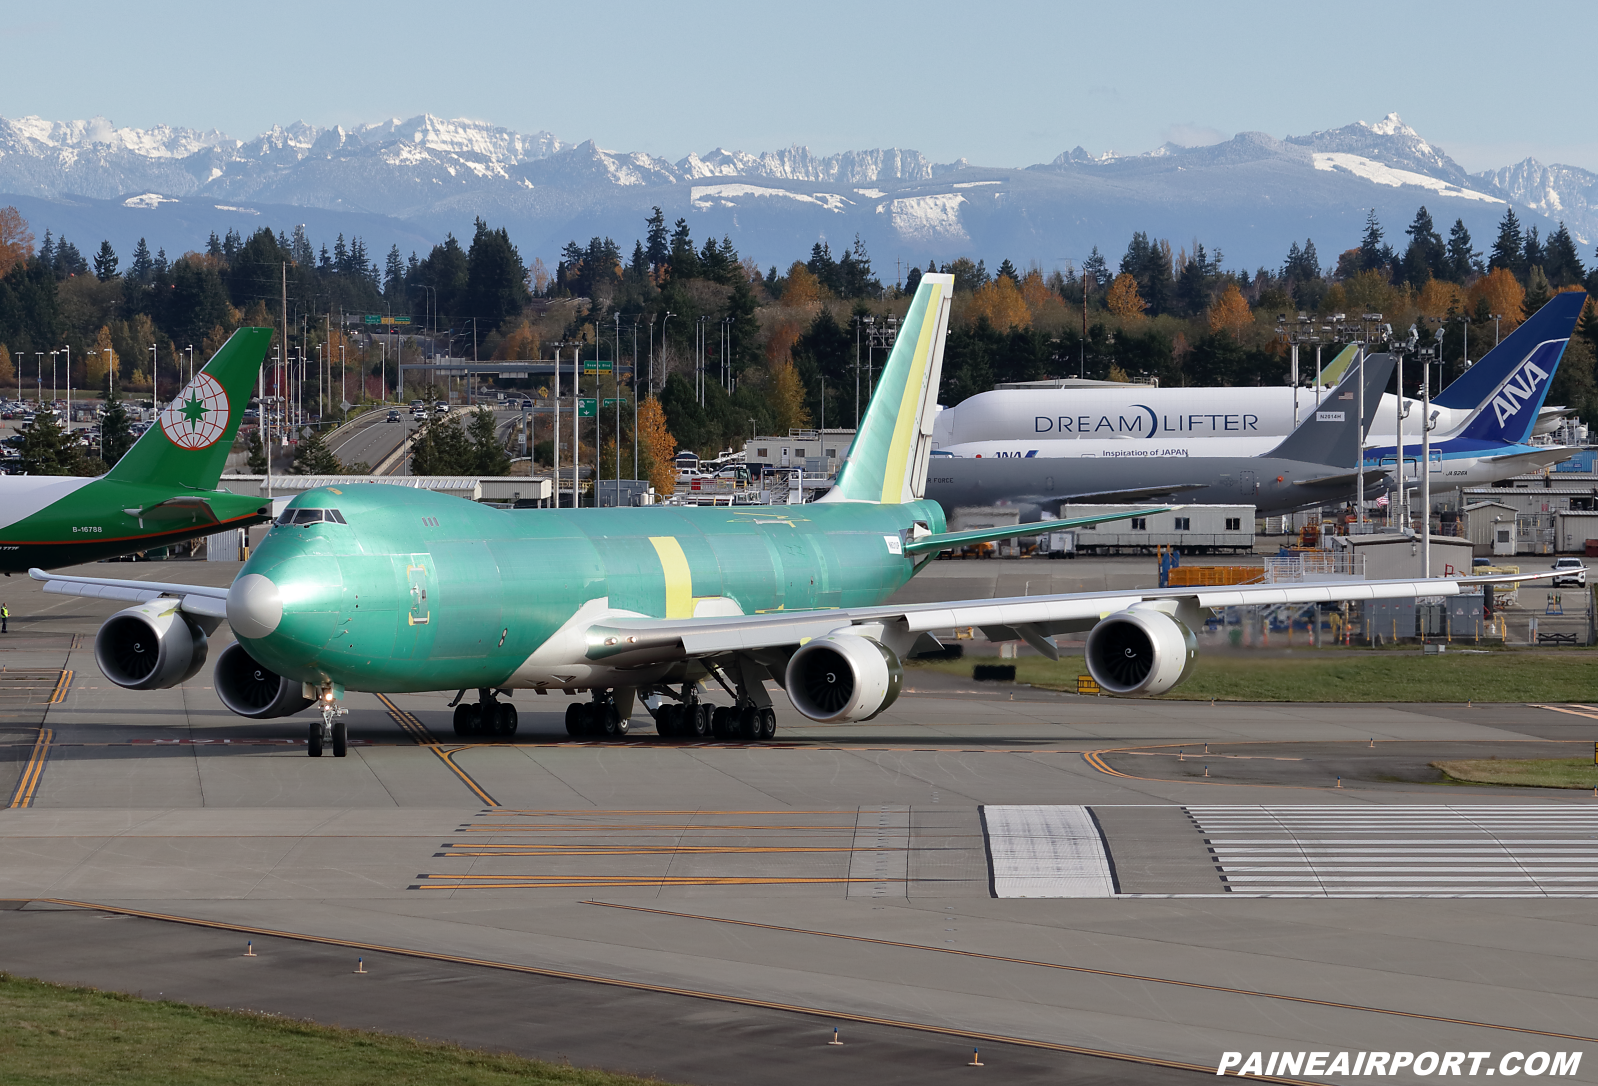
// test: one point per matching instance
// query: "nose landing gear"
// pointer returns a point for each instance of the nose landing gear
(331, 730)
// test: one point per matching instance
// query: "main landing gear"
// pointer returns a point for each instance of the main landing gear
(696, 720)
(601, 718)
(330, 731)
(488, 717)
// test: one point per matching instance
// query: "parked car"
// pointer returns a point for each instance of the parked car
(1577, 574)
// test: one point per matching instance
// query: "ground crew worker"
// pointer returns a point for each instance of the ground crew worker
(5, 618)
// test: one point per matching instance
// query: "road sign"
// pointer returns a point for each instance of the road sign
(378, 318)
(613, 402)
(587, 408)
(595, 366)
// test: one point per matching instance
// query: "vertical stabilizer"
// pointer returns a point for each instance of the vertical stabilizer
(1553, 323)
(888, 461)
(1333, 433)
(189, 443)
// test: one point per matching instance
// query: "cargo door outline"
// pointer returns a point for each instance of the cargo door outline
(1246, 483)
(416, 585)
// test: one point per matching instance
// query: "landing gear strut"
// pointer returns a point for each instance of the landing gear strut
(330, 731)
(601, 718)
(694, 719)
(489, 716)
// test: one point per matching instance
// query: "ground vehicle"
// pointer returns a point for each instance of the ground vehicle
(393, 416)
(527, 405)
(441, 409)
(1577, 576)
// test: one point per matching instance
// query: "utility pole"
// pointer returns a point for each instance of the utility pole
(634, 384)
(857, 374)
(556, 447)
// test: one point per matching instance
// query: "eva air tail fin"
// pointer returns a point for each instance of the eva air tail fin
(888, 461)
(1333, 432)
(189, 443)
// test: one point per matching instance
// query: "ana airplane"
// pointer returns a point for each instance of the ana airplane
(162, 491)
(1316, 463)
(1146, 413)
(378, 588)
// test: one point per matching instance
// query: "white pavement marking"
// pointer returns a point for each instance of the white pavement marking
(881, 853)
(1046, 851)
(1409, 851)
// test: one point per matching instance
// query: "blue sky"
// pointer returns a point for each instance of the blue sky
(999, 84)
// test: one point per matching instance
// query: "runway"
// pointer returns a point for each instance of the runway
(708, 912)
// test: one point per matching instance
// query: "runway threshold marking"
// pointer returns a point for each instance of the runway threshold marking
(1091, 971)
(33, 770)
(419, 733)
(663, 989)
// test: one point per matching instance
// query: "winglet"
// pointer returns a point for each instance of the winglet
(887, 463)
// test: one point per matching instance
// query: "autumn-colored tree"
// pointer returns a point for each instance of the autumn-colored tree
(1001, 303)
(1036, 293)
(659, 447)
(1365, 292)
(1230, 312)
(788, 399)
(521, 343)
(16, 240)
(1439, 297)
(780, 340)
(8, 372)
(1123, 299)
(802, 287)
(100, 360)
(538, 276)
(1117, 374)
(214, 339)
(1503, 294)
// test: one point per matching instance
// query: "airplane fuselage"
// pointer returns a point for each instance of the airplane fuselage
(420, 591)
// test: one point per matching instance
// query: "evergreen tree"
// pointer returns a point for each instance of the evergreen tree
(488, 451)
(912, 280)
(394, 275)
(213, 246)
(682, 260)
(1096, 269)
(142, 267)
(116, 432)
(1461, 260)
(1008, 269)
(232, 242)
(68, 261)
(47, 450)
(105, 261)
(1424, 258)
(658, 242)
(313, 457)
(1561, 262)
(1532, 256)
(1372, 253)
(300, 249)
(1509, 250)
(46, 256)
(441, 448)
(1537, 291)
(638, 267)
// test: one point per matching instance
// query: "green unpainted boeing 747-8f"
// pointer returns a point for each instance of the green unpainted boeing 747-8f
(162, 491)
(389, 589)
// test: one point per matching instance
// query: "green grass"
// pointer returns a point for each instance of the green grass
(1533, 773)
(51, 1033)
(1324, 675)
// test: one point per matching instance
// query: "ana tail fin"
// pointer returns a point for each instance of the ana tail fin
(1476, 387)
(1333, 433)
(190, 441)
(888, 461)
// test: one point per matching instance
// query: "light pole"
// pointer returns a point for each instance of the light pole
(38, 364)
(1427, 422)
(857, 373)
(663, 321)
(191, 361)
(68, 350)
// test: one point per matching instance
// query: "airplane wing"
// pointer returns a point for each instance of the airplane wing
(1345, 479)
(625, 642)
(196, 599)
(1546, 454)
(1131, 494)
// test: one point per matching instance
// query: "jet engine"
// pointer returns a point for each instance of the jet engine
(251, 690)
(1140, 651)
(151, 646)
(843, 677)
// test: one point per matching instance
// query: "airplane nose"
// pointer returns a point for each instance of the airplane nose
(254, 606)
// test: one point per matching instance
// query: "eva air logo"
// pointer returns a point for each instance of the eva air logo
(199, 415)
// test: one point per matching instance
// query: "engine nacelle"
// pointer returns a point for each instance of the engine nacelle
(843, 677)
(251, 690)
(1140, 652)
(150, 647)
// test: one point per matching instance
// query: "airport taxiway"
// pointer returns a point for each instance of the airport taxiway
(707, 912)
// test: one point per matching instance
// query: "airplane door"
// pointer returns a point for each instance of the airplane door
(416, 583)
(1247, 483)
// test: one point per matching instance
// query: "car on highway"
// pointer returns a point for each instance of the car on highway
(527, 405)
(441, 409)
(419, 414)
(393, 416)
(1576, 575)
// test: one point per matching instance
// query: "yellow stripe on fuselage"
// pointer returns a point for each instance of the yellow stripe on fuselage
(909, 417)
(679, 578)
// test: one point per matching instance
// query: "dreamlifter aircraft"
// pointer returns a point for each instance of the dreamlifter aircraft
(1146, 413)
(389, 589)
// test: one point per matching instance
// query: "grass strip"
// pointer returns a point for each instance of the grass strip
(52, 1033)
(1526, 772)
(1344, 675)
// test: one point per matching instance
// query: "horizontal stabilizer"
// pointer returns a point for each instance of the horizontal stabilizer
(945, 540)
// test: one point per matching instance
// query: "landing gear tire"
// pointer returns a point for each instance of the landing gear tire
(576, 723)
(666, 721)
(313, 741)
(507, 720)
(341, 739)
(605, 719)
(749, 723)
(703, 715)
(463, 720)
(768, 723)
(721, 723)
(622, 723)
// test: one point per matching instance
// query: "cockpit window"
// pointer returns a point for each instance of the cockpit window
(302, 517)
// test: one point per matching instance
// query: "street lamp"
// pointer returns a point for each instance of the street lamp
(1496, 317)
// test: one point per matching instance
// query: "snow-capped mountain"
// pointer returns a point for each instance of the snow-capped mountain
(410, 182)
